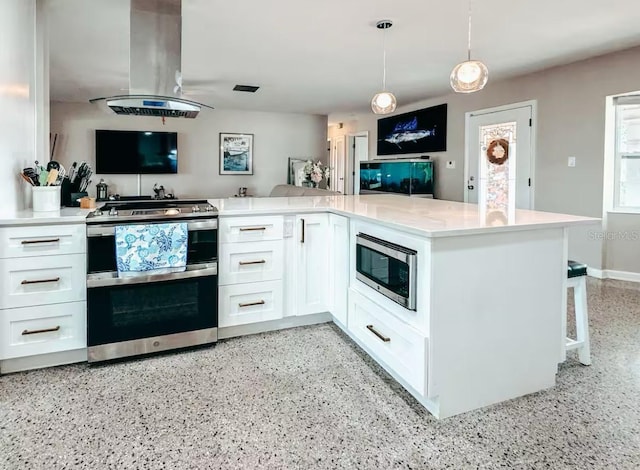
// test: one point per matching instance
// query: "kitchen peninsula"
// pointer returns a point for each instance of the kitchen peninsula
(463, 311)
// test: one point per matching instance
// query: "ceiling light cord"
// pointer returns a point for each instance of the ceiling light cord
(384, 60)
(469, 34)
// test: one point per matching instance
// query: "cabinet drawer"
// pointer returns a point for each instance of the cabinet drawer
(42, 240)
(250, 229)
(250, 303)
(41, 330)
(398, 346)
(250, 262)
(46, 280)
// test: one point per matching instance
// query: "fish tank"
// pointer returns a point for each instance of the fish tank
(413, 177)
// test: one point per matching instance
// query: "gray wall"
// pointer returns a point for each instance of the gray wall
(277, 136)
(571, 122)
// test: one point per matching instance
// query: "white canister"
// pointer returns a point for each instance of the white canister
(46, 198)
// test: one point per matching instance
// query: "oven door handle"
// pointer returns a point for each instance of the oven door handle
(110, 229)
(111, 279)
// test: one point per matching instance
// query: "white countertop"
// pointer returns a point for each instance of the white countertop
(66, 215)
(421, 216)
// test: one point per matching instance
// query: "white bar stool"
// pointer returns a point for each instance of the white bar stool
(577, 279)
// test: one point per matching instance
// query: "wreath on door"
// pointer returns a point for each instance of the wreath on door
(498, 151)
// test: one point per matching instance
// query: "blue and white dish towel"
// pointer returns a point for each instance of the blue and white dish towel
(151, 248)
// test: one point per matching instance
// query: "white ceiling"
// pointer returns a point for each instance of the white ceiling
(326, 56)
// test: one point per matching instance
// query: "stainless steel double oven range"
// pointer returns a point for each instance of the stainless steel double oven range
(128, 316)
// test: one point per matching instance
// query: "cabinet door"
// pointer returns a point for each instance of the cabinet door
(338, 266)
(312, 264)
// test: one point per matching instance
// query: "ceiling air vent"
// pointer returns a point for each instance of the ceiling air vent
(247, 88)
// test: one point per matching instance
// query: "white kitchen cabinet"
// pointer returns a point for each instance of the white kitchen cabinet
(398, 347)
(250, 262)
(241, 304)
(43, 329)
(42, 295)
(311, 285)
(250, 270)
(42, 240)
(339, 266)
(250, 229)
(42, 281)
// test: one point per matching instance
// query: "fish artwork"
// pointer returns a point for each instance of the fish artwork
(408, 131)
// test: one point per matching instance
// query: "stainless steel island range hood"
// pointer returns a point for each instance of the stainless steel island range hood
(155, 82)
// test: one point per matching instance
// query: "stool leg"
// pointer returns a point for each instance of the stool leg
(582, 321)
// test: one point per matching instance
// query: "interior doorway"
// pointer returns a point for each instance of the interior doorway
(357, 151)
(337, 164)
(512, 129)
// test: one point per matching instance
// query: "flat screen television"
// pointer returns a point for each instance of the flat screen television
(136, 152)
(424, 130)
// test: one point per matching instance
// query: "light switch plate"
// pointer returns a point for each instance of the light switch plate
(451, 164)
(571, 161)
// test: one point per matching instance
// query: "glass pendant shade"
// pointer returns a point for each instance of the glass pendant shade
(383, 103)
(469, 76)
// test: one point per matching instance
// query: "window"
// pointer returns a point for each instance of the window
(627, 158)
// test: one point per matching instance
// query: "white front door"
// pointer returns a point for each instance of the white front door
(510, 128)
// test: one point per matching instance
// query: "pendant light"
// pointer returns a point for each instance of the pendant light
(471, 75)
(384, 102)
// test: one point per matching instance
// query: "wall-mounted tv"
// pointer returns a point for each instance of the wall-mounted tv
(136, 152)
(419, 131)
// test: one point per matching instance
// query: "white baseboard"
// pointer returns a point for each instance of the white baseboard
(597, 273)
(613, 274)
(40, 361)
(623, 275)
(273, 325)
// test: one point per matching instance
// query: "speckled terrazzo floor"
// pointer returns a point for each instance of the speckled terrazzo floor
(309, 398)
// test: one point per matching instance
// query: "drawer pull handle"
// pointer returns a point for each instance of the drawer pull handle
(252, 229)
(244, 263)
(33, 242)
(251, 304)
(40, 281)
(382, 337)
(45, 330)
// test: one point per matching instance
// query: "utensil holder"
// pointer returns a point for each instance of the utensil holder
(46, 198)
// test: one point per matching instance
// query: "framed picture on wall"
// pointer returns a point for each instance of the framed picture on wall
(236, 154)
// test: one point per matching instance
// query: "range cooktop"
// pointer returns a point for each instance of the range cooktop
(155, 209)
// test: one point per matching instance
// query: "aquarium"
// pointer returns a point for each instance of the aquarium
(410, 177)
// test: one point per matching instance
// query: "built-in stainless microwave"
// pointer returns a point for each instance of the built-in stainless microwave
(388, 268)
